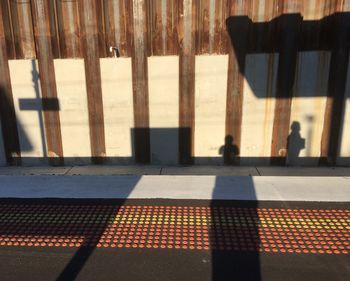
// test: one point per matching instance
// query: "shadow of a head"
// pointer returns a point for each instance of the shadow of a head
(229, 151)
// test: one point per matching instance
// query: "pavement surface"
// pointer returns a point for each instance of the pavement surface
(178, 187)
(141, 170)
(80, 223)
(173, 240)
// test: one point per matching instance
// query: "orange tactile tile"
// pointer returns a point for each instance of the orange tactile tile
(275, 230)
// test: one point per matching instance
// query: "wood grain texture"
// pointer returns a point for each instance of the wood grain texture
(138, 36)
(116, 27)
(54, 30)
(202, 44)
(220, 33)
(22, 23)
(69, 29)
(100, 11)
(142, 28)
(186, 33)
(172, 12)
(7, 110)
(40, 12)
(156, 28)
(90, 48)
(8, 29)
(238, 29)
(112, 24)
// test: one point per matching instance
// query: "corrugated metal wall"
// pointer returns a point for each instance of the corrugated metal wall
(240, 82)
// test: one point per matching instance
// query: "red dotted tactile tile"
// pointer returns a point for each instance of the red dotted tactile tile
(274, 230)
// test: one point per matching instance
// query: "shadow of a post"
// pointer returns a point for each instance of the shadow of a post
(94, 232)
(234, 232)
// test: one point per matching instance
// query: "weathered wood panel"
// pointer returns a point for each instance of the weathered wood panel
(204, 13)
(158, 36)
(138, 36)
(7, 111)
(69, 29)
(54, 30)
(238, 27)
(100, 11)
(47, 81)
(172, 43)
(219, 43)
(8, 29)
(266, 33)
(22, 23)
(90, 48)
(116, 26)
(186, 33)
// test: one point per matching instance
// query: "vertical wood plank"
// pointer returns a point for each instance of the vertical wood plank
(220, 32)
(171, 39)
(23, 29)
(148, 23)
(112, 21)
(339, 35)
(47, 80)
(54, 31)
(90, 48)
(138, 36)
(125, 35)
(8, 29)
(101, 29)
(117, 26)
(7, 110)
(203, 27)
(186, 33)
(238, 27)
(157, 28)
(288, 43)
(69, 29)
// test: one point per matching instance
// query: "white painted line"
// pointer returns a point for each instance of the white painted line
(328, 189)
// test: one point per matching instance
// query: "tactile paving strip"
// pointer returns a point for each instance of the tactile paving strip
(272, 230)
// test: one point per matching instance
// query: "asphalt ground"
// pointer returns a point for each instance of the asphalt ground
(140, 239)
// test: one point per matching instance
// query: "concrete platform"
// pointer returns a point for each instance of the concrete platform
(30, 171)
(179, 170)
(211, 170)
(305, 171)
(326, 189)
(115, 170)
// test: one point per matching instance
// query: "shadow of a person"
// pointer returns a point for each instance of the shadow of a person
(295, 143)
(229, 151)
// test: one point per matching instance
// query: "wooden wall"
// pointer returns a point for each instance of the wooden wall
(276, 36)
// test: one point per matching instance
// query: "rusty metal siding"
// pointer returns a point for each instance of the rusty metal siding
(281, 30)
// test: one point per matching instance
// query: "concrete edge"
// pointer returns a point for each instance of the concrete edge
(316, 189)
